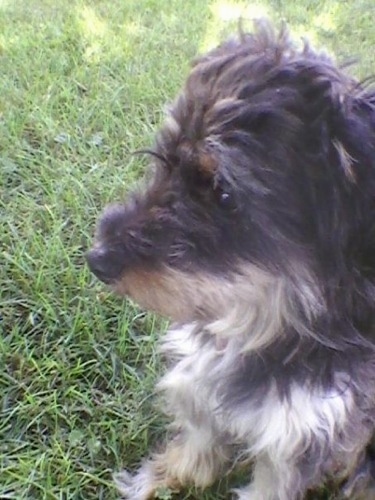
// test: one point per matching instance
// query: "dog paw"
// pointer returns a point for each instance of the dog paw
(134, 487)
(246, 493)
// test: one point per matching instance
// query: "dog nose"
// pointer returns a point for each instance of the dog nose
(104, 264)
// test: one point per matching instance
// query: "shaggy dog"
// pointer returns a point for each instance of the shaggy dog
(256, 236)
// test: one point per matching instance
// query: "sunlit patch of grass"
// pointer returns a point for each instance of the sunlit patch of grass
(83, 84)
(226, 16)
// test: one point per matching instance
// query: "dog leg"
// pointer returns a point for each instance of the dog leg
(140, 486)
(360, 485)
(271, 483)
(192, 457)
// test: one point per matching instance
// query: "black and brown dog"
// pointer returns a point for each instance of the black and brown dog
(256, 236)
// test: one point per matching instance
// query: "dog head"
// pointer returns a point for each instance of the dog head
(262, 189)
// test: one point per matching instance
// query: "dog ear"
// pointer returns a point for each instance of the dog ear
(342, 182)
(354, 130)
(340, 115)
(319, 84)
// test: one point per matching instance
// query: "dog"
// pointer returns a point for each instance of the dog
(255, 235)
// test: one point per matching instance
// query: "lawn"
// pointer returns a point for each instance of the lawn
(82, 85)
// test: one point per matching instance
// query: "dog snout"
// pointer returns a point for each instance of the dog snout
(106, 265)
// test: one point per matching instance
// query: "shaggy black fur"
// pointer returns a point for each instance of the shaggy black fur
(267, 159)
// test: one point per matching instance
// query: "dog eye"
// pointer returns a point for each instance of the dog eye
(225, 200)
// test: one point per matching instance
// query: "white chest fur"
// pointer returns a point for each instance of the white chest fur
(279, 427)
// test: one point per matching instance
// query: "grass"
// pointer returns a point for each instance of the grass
(83, 83)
